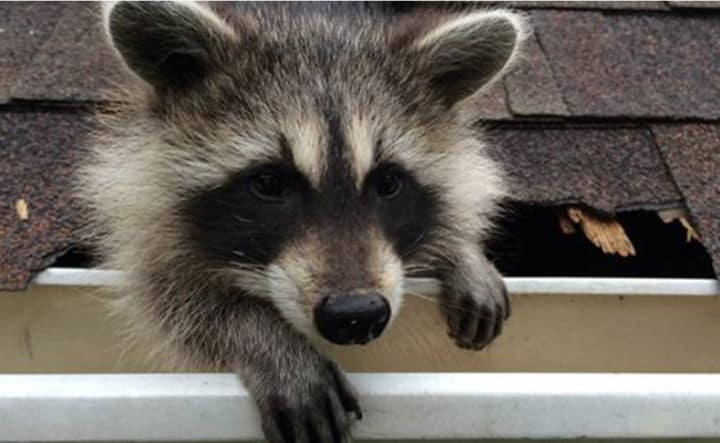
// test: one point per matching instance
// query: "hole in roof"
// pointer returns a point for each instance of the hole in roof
(530, 243)
(77, 257)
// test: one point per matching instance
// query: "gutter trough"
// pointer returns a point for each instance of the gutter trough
(398, 406)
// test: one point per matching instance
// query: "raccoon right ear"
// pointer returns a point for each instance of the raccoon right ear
(166, 43)
(459, 54)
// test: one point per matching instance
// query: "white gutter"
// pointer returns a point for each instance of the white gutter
(524, 285)
(441, 406)
(215, 407)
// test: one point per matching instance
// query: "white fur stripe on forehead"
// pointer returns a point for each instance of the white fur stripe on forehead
(307, 144)
(361, 139)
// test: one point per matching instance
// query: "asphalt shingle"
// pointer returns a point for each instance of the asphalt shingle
(40, 151)
(531, 85)
(692, 153)
(612, 170)
(601, 5)
(75, 64)
(24, 27)
(655, 65)
(613, 61)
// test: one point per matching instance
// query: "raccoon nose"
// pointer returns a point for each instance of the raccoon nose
(347, 319)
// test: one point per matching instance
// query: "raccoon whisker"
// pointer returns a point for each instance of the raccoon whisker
(423, 297)
(254, 267)
(445, 304)
(242, 220)
(245, 257)
(417, 267)
(416, 244)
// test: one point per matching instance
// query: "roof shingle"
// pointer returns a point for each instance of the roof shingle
(41, 151)
(75, 63)
(611, 169)
(23, 28)
(633, 65)
(582, 119)
(693, 154)
(531, 85)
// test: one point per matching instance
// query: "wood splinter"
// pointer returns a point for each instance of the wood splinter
(670, 215)
(22, 209)
(605, 233)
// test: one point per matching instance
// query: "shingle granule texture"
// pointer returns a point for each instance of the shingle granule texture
(24, 27)
(694, 5)
(693, 154)
(634, 65)
(611, 170)
(615, 105)
(491, 103)
(74, 64)
(531, 85)
(601, 5)
(40, 154)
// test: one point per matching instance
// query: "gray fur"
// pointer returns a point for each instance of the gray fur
(284, 68)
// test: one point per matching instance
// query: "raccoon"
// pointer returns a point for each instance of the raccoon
(274, 173)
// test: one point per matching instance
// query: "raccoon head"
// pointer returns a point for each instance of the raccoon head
(310, 157)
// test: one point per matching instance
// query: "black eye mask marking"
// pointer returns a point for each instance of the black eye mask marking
(253, 216)
(250, 217)
(406, 209)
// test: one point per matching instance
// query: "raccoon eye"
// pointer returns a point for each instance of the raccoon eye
(268, 186)
(389, 184)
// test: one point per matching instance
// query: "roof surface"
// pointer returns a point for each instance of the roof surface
(616, 106)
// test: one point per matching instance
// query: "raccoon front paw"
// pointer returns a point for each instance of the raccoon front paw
(475, 315)
(314, 409)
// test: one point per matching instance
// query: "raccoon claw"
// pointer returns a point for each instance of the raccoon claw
(476, 318)
(316, 415)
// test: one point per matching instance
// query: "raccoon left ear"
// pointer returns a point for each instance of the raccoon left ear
(464, 53)
(166, 43)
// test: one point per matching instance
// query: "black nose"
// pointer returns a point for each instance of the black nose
(347, 319)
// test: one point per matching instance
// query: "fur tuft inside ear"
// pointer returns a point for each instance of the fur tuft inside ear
(166, 43)
(463, 53)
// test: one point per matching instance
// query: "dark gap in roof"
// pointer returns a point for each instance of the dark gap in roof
(77, 257)
(529, 243)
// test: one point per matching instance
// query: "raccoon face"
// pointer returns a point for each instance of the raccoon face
(315, 162)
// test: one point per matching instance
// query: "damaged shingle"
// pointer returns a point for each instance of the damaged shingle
(611, 170)
(40, 154)
(692, 152)
(576, 111)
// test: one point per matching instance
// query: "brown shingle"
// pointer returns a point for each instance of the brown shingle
(601, 5)
(632, 64)
(491, 103)
(23, 28)
(692, 152)
(694, 5)
(74, 64)
(606, 168)
(531, 86)
(40, 153)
